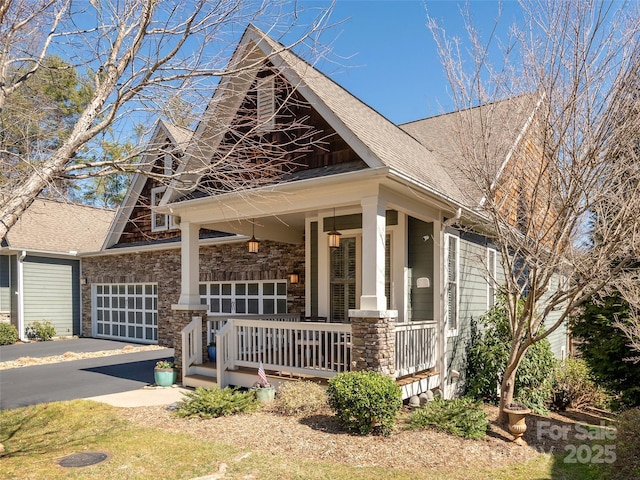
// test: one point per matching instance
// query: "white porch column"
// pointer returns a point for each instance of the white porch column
(373, 241)
(190, 268)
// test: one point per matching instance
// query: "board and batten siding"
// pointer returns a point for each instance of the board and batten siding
(52, 292)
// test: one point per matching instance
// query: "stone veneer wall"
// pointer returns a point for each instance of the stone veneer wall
(373, 345)
(228, 262)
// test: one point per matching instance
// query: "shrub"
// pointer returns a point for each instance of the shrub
(461, 417)
(627, 464)
(43, 331)
(488, 355)
(300, 398)
(8, 334)
(606, 349)
(216, 402)
(365, 402)
(574, 388)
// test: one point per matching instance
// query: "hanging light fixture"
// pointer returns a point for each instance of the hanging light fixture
(334, 236)
(253, 244)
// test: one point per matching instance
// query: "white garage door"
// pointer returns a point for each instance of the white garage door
(125, 311)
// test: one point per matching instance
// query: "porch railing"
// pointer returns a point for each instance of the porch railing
(416, 348)
(215, 324)
(316, 349)
(191, 346)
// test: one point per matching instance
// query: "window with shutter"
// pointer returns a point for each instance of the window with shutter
(491, 277)
(343, 280)
(451, 283)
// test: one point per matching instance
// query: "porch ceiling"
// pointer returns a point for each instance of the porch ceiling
(287, 228)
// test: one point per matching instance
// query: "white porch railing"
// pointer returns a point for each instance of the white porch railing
(416, 348)
(191, 346)
(215, 324)
(317, 349)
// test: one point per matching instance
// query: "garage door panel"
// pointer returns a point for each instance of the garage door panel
(125, 311)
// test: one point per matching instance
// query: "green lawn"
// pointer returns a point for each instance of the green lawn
(35, 438)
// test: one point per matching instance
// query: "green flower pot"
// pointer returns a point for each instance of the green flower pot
(265, 395)
(165, 377)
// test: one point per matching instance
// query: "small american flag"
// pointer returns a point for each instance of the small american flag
(262, 375)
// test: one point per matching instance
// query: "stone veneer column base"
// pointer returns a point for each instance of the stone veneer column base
(373, 341)
(179, 320)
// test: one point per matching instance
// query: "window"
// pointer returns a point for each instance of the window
(452, 254)
(491, 277)
(159, 221)
(265, 297)
(266, 104)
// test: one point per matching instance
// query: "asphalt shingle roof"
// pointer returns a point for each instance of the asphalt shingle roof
(53, 226)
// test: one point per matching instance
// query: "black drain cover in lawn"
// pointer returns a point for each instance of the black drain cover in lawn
(82, 459)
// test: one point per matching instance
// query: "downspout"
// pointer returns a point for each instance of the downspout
(20, 293)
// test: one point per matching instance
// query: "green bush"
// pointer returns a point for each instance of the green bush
(43, 331)
(606, 349)
(300, 398)
(216, 402)
(627, 446)
(574, 388)
(461, 417)
(488, 355)
(8, 334)
(365, 402)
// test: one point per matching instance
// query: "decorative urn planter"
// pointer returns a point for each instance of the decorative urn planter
(517, 420)
(265, 394)
(165, 374)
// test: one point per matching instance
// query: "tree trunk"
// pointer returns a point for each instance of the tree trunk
(507, 389)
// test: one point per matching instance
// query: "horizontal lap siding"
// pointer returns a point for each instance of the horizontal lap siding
(473, 302)
(559, 338)
(50, 293)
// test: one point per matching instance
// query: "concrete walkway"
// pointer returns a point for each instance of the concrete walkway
(143, 397)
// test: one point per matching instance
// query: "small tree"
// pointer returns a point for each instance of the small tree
(488, 354)
(555, 168)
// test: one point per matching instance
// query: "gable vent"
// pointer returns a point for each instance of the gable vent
(266, 104)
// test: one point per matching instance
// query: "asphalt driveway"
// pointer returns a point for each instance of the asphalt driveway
(74, 379)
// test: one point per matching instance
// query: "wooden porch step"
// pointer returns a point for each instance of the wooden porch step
(198, 380)
(415, 377)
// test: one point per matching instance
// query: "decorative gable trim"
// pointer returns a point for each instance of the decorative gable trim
(160, 132)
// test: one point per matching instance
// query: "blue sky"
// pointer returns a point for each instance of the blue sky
(387, 56)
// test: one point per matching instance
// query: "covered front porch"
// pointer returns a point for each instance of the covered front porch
(373, 303)
(291, 349)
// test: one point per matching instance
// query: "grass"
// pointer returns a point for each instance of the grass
(36, 437)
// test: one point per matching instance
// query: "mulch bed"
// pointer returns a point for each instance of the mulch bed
(320, 438)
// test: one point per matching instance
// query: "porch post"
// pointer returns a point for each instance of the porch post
(373, 242)
(373, 329)
(188, 304)
(190, 267)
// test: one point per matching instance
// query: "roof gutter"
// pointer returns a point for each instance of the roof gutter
(455, 206)
(49, 253)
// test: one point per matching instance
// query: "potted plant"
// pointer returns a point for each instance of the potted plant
(517, 420)
(211, 351)
(165, 373)
(265, 392)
